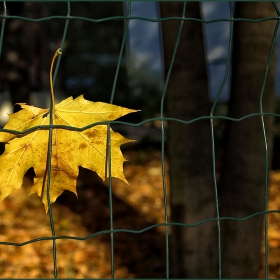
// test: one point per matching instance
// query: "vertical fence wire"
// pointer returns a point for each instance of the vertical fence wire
(226, 76)
(108, 156)
(162, 118)
(266, 146)
(49, 158)
(163, 135)
(3, 27)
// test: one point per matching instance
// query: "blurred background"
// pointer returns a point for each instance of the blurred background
(88, 64)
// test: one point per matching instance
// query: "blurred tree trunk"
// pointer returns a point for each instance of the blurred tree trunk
(15, 75)
(242, 186)
(193, 249)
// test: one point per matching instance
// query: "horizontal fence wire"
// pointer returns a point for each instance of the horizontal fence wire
(67, 17)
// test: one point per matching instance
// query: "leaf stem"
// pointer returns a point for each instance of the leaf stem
(58, 52)
(49, 161)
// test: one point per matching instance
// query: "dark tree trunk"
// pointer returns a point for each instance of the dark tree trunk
(243, 179)
(194, 249)
(16, 58)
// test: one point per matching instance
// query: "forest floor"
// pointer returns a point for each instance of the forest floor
(135, 206)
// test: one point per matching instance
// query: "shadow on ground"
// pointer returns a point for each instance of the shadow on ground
(143, 254)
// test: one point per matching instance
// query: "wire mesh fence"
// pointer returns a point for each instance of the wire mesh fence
(67, 14)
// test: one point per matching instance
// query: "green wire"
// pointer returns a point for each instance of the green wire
(211, 117)
(266, 146)
(3, 27)
(50, 151)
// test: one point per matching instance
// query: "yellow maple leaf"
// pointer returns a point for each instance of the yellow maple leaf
(70, 149)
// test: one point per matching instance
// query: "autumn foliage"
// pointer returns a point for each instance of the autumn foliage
(70, 149)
